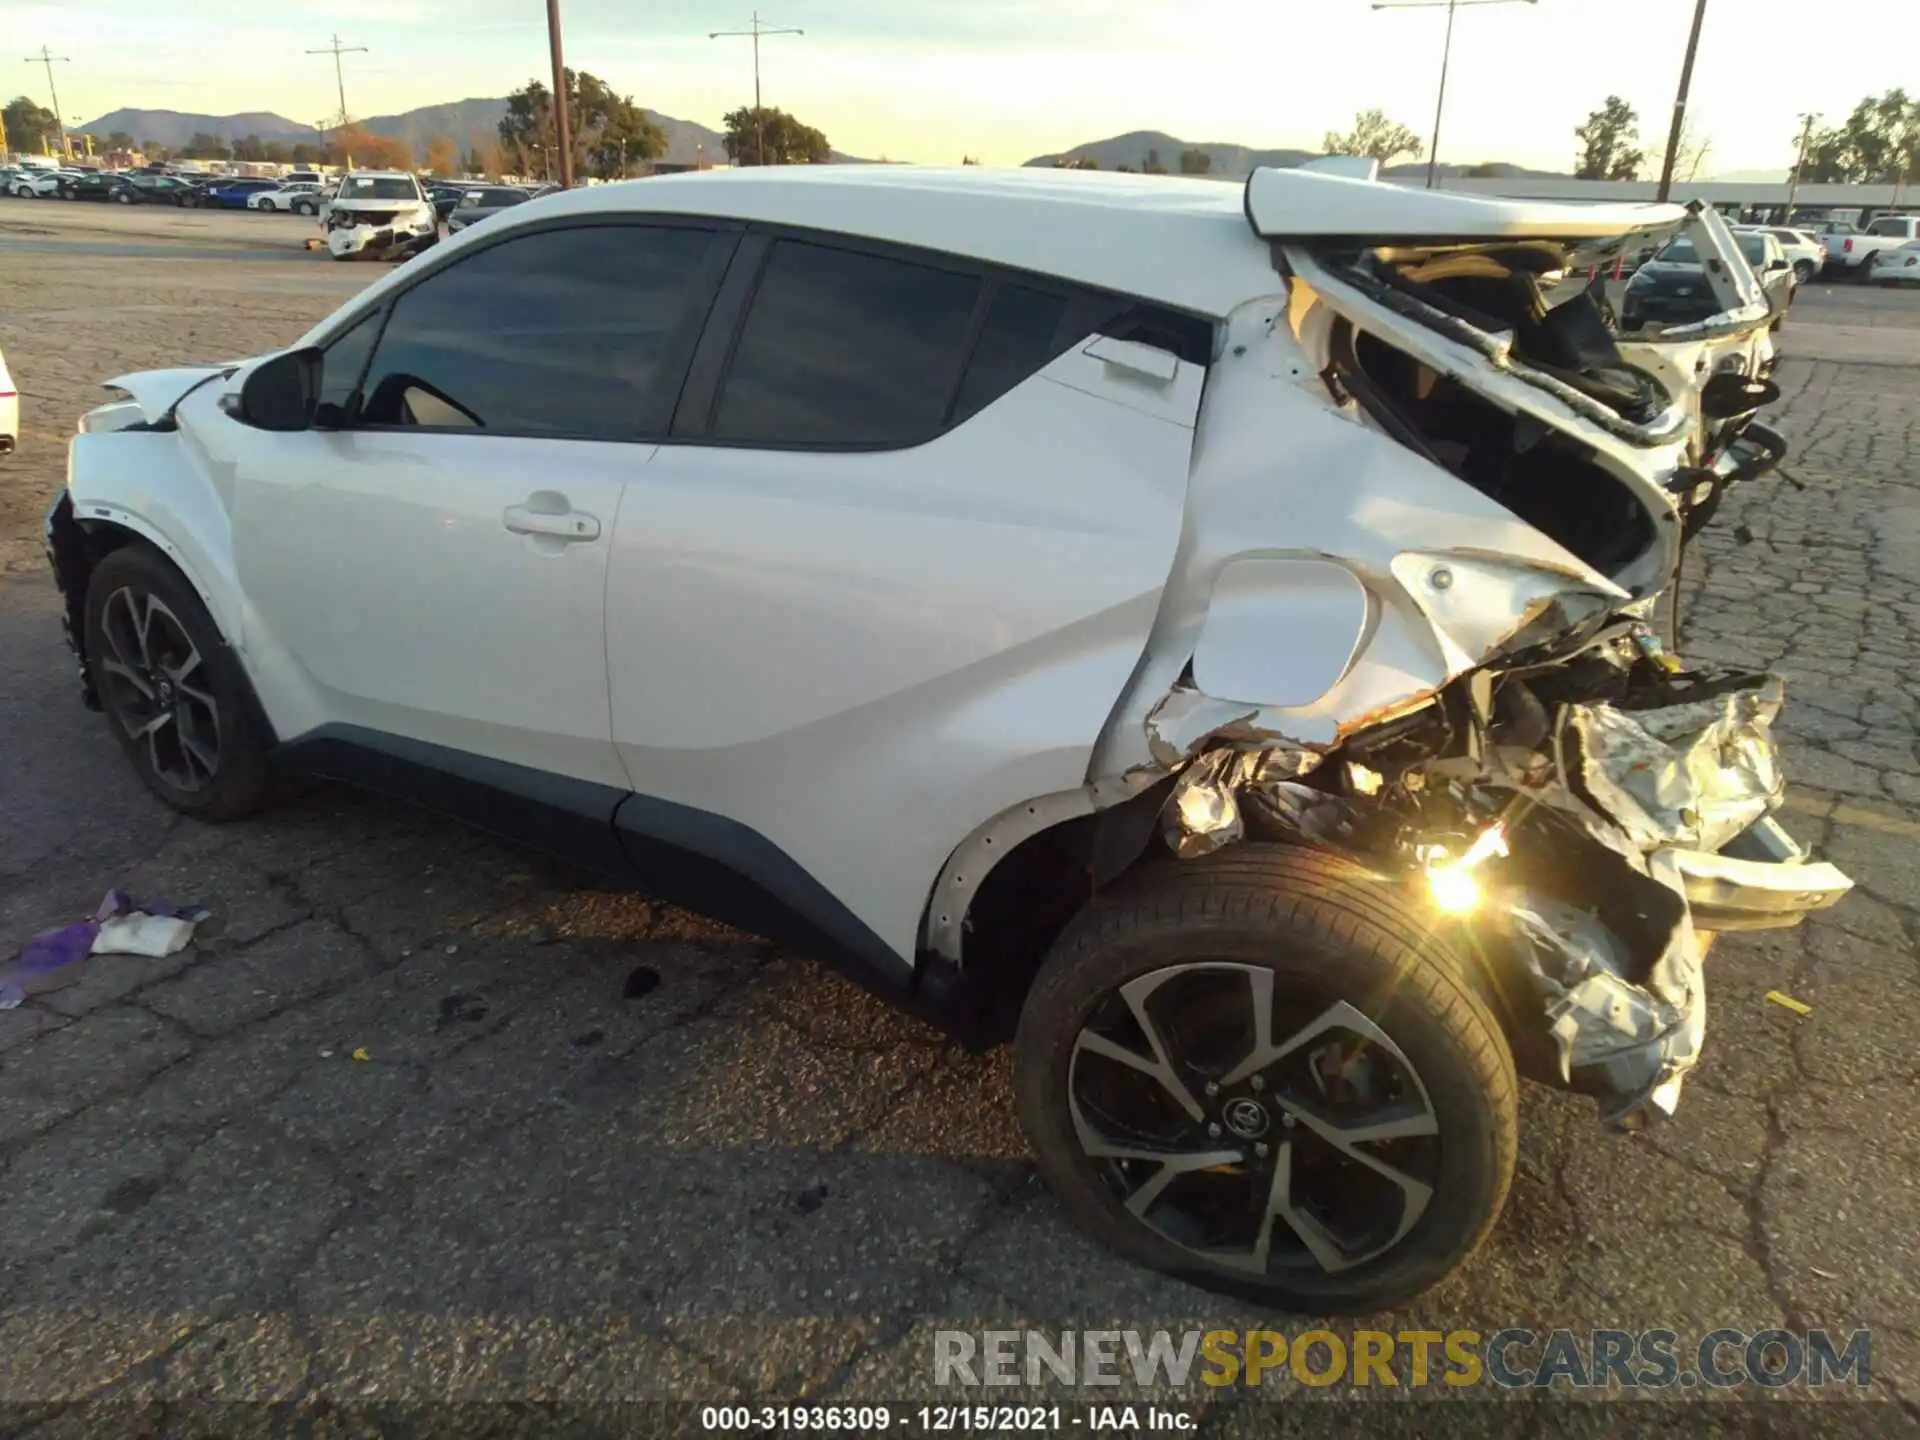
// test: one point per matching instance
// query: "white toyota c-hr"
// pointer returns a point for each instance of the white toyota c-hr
(1199, 632)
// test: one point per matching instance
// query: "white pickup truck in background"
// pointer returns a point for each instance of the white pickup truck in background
(1849, 246)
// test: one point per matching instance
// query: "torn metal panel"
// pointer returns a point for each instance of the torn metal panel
(1690, 776)
(1633, 1042)
(1186, 720)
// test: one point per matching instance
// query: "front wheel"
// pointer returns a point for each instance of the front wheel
(1262, 1072)
(173, 693)
(266, 205)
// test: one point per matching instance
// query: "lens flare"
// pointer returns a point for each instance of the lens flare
(1450, 882)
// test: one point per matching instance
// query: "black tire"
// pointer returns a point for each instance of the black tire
(1321, 928)
(1803, 272)
(124, 198)
(301, 207)
(119, 592)
(266, 205)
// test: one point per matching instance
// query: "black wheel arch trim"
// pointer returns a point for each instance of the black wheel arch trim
(706, 862)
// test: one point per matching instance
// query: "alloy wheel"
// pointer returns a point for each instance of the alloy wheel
(153, 679)
(1318, 1149)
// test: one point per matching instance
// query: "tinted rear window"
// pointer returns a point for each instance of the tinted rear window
(848, 349)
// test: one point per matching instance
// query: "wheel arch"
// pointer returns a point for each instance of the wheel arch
(1012, 886)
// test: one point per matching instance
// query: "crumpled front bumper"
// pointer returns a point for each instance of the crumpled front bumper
(375, 242)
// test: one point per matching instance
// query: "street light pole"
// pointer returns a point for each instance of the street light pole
(1799, 164)
(562, 120)
(1680, 104)
(759, 124)
(1446, 60)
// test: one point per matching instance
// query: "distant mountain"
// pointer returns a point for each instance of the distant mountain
(1236, 162)
(465, 122)
(1230, 162)
(172, 128)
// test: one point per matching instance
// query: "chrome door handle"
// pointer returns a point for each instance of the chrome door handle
(560, 525)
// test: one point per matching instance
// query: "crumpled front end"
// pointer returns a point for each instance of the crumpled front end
(1584, 823)
(385, 234)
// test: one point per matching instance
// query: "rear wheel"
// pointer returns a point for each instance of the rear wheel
(266, 205)
(305, 207)
(172, 691)
(1803, 272)
(1262, 1072)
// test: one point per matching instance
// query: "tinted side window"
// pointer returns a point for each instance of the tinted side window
(1887, 227)
(582, 332)
(845, 348)
(1020, 336)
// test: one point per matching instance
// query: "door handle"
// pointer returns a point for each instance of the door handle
(558, 523)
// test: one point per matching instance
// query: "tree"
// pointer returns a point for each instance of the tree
(203, 146)
(31, 127)
(119, 140)
(1373, 135)
(1195, 162)
(969, 160)
(443, 156)
(1152, 164)
(1879, 143)
(1610, 143)
(787, 140)
(610, 133)
(352, 145)
(1082, 162)
(304, 154)
(1693, 152)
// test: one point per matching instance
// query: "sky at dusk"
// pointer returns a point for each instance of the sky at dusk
(1004, 81)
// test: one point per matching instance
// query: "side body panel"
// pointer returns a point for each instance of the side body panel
(865, 656)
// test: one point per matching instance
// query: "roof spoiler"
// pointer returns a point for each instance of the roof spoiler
(1331, 198)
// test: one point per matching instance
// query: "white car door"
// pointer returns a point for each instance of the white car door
(432, 566)
(893, 570)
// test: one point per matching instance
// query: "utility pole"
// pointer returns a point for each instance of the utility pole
(759, 125)
(562, 101)
(1446, 59)
(1799, 164)
(50, 60)
(1680, 104)
(336, 49)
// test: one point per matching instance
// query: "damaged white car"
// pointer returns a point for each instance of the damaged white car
(379, 215)
(1202, 635)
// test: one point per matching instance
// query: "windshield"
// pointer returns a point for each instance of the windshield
(1678, 252)
(374, 187)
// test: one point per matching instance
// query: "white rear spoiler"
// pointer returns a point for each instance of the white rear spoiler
(1323, 200)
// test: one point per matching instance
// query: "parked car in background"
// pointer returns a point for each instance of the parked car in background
(43, 184)
(1192, 705)
(9, 410)
(445, 195)
(1672, 287)
(1804, 252)
(1898, 266)
(1849, 249)
(483, 202)
(97, 186)
(148, 188)
(302, 197)
(234, 194)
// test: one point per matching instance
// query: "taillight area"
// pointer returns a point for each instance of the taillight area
(1847, 245)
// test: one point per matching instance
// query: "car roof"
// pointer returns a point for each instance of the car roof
(379, 175)
(1182, 242)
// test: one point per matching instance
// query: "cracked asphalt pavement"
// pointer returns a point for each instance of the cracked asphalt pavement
(601, 1150)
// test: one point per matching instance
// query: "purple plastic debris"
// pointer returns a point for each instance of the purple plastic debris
(124, 922)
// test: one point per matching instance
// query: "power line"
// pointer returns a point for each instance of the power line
(1446, 60)
(336, 49)
(759, 128)
(50, 60)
